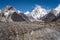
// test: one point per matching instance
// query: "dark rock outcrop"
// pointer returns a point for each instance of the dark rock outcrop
(50, 16)
(19, 17)
(53, 16)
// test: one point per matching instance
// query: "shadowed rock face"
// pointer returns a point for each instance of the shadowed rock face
(19, 17)
(49, 17)
(18, 31)
(53, 16)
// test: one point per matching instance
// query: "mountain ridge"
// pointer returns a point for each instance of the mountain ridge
(37, 14)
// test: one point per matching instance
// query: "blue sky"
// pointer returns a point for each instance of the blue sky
(28, 5)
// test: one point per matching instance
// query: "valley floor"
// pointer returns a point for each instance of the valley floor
(29, 31)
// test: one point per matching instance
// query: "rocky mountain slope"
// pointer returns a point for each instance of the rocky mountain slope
(37, 13)
(29, 31)
(11, 14)
(54, 15)
(14, 25)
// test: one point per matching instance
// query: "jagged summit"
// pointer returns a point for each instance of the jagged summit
(8, 10)
(11, 14)
(8, 7)
(38, 12)
(57, 8)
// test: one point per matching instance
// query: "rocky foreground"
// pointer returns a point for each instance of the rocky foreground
(29, 31)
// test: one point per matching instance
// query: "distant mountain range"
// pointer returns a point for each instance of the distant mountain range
(9, 13)
(53, 15)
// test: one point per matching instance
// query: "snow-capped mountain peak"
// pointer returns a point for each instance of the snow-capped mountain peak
(57, 9)
(38, 12)
(27, 12)
(19, 11)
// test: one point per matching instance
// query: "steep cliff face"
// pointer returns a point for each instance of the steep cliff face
(19, 17)
(50, 16)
